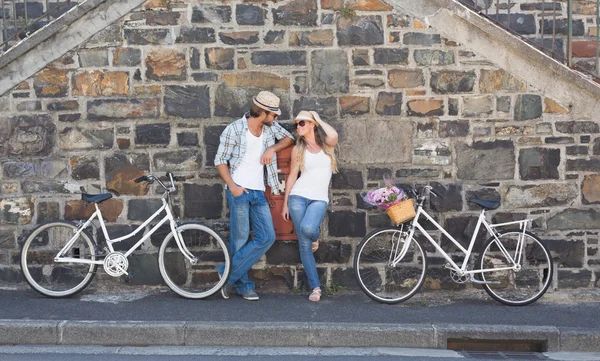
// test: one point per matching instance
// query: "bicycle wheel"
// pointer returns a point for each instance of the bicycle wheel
(197, 280)
(516, 287)
(57, 279)
(375, 274)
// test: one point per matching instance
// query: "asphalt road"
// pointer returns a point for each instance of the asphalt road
(136, 305)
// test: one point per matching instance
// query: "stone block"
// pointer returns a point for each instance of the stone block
(274, 37)
(254, 334)
(570, 279)
(70, 118)
(333, 252)
(250, 15)
(503, 104)
(347, 179)
(528, 106)
(485, 160)
(84, 167)
(239, 37)
(162, 18)
(539, 163)
(326, 107)
(203, 201)
(372, 335)
(93, 58)
(27, 135)
(577, 339)
(142, 209)
(583, 165)
(354, 105)
(450, 197)
(136, 36)
(187, 101)
(454, 128)
(387, 56)
(78, 209)
(166, 64)
(79, 138)
(590, 189)
(219, 58)
(450, 81)
(360, 30)
(478, 106)
(96, 83)
(330, 72)
(195, 35)
(213, 14)
(571, 218)
(574, 127)
(61, 105)
(51, 83)
(431, 152)
(406, 78)
(17, 170)
(153, 134)
(187, 139)
(542, 195)
(346, 224)
(279, 58)
(127, 57)
(180, 160)
(121, 169)
(16, 211)
(257, 79)
(427, 57)
(296, 13)
(36, 332)
(375, 141)
(360, 57)
(205, 77)
(425, 107)
(561, 26)
(421, 39)
(284, 253)
(389, 103)
(120, 109)
(492, 81)
(311, 38)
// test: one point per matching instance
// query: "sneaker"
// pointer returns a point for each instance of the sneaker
(226, 291)
(249, 295)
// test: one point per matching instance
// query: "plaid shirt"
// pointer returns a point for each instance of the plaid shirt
(232, 147)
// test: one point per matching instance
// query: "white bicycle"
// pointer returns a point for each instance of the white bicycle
(514, 267)
(60, 258)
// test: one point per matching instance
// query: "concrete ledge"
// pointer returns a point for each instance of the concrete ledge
(15, 332)
(579, 340)
(247, 334)
(371, 335)
(284, 334)
(548, 334)
(457, 22)
(122, 333)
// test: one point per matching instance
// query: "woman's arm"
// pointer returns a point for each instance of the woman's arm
(332, 136)
(290, 181)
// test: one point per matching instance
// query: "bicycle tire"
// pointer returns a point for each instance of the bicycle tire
(54, 279)
(371, 263)
(522, 287)
(188, 280)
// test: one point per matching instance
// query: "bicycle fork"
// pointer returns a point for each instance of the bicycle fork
(182, 247)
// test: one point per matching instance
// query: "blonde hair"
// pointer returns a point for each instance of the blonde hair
(319, 137)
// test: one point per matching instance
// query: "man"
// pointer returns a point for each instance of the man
(248, 145)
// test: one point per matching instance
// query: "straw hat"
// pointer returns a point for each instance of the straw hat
(267, 101)
(310, 116)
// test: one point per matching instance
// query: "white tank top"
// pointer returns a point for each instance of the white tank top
(314, 180)
(250, 173)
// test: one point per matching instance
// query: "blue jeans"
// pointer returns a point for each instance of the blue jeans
(307, 216)
(245, 211)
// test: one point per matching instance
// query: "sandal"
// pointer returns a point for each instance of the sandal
(315, 246)
(315, 295)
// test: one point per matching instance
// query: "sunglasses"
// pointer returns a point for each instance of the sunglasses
(301, 123)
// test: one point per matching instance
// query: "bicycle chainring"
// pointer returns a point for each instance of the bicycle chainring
(458, 278)
(116, 264)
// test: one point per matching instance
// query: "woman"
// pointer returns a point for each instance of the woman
(306, 197)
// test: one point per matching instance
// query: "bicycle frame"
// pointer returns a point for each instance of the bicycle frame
(462, 270)
(98, 214)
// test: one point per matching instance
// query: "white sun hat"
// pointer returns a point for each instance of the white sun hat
(267, 101)
(311, 116)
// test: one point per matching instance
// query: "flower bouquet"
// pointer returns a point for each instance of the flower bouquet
(393, 200)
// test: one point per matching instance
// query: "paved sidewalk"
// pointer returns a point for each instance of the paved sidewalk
(138, 317)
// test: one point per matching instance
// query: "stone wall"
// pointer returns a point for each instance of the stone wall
(153, 92)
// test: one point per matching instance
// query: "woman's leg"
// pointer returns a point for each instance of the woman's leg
(307, 216)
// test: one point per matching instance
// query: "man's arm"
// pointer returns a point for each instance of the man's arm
(285, 140)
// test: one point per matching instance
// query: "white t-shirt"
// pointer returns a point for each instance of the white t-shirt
(250, 173)
(314, 180)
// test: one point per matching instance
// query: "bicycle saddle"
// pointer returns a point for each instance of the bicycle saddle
(485, 204)
(96, 198)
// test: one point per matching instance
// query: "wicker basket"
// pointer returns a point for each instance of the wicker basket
(402, 212)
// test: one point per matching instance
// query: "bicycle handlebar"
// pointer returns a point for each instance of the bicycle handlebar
(150, 178)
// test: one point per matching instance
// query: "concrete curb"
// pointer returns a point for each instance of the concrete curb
(278, 334)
